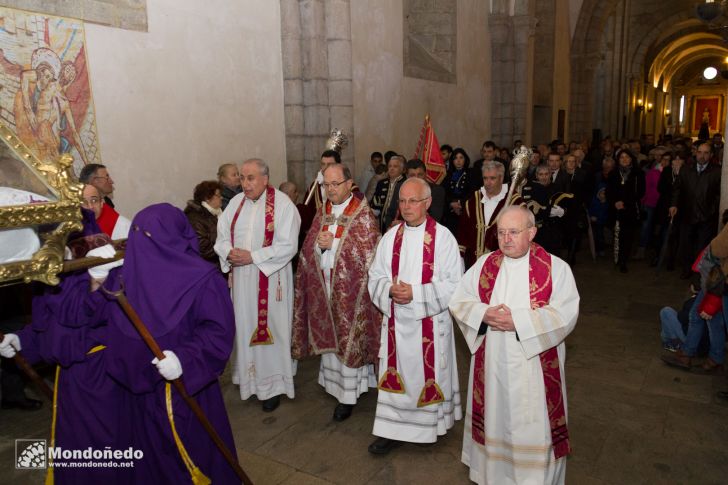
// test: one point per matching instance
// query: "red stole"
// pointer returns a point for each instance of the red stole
(107, 219)
(262, 335)
(391, 380)
(539, 277)
(329, 219)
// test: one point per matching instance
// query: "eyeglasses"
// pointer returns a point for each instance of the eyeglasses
(408, 202)
(91, 201)
(333, 185)
(510, 232)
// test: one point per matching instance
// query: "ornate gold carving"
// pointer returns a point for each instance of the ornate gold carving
(47, 262)
(35, 214)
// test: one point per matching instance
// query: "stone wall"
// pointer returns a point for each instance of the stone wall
(511, 99)
(430, 40)
(317, 73)
(204, 86)
(390, 107)
(125, 14)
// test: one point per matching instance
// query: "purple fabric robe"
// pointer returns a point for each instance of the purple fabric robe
(88, 410)
(185, 303)
(202, 341)
(117, 397)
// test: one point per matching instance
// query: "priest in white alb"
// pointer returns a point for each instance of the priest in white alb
(515, 307)
(257, 236)
(415, 271)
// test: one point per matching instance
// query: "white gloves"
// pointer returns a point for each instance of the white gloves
(556, 211)
(169, 367)
(10, 345)
(100, 273)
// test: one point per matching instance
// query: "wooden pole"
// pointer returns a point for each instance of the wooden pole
(179, 385)
(32, 374)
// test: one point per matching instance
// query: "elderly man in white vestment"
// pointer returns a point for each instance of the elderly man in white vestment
(257, 236)
(414, 273)
(515, 307)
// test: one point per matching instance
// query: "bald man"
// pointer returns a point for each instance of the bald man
(414, 273)
(515, 307)
(110, 222)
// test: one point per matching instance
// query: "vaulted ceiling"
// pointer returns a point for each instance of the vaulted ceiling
(665, 44)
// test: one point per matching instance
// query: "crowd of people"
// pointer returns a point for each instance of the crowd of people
(370, 274)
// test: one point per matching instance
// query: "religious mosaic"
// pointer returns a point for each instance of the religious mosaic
(45, 93)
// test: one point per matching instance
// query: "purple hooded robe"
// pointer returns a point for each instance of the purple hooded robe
(186, 305)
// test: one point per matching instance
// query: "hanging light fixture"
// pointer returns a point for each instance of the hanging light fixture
(710, 10)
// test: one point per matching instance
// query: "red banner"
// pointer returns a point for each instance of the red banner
(428, 150)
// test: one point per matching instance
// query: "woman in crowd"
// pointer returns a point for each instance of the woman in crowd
(625, 189)
(202, 213)
(665, 186)
(456, 188)
(649, 202)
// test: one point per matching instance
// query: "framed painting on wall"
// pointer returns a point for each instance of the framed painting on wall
(45, 92)
(707, 114)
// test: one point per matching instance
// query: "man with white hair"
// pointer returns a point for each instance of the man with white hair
(477, 228)
(515, 307)
(257, 236)
(414, 273)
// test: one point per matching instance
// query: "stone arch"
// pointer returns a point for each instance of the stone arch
(695, 54)
(639, 66)
(584, 59)
(651, 25)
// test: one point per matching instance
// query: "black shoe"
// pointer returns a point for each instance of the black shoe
(382, 446)
(622, 268)
(26, 405)
(723, 395)
(271, 404)
(342, 411)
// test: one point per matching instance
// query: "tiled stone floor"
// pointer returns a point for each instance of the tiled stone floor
(632, 419)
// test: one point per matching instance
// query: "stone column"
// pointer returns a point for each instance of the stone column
(293, 91)
(314, 54)
(582, 80)
(340, 100)
(524, 29)
(317, 71)
(502, 91)
(511, 85)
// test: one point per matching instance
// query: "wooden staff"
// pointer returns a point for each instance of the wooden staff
(31, 373)
(664, 247)
(179, 385)
(616, 242)
(422, 137)
(88, 262)
(310, 192)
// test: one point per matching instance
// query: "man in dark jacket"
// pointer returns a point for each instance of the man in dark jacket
(697, 196)
(384, 203)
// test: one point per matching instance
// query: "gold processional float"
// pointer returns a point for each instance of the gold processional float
(39, 208)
